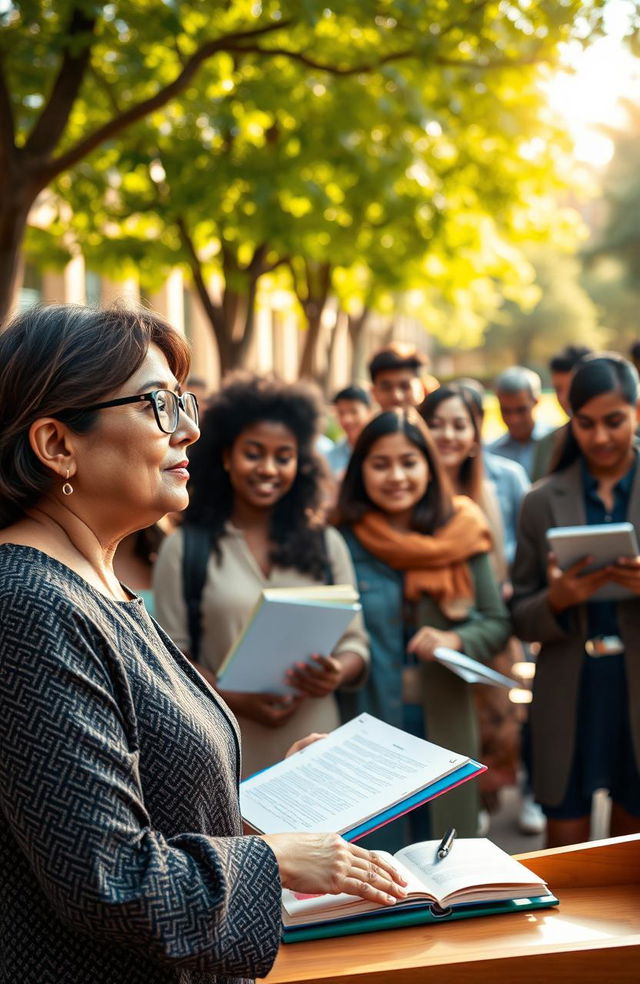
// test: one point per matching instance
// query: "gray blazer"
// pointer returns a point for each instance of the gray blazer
(559, 501)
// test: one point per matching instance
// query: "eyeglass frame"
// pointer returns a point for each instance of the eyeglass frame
(149, 397)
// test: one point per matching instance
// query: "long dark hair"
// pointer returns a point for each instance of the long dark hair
(471, 469)
(597, 374)
(435, 507)
(54, 361)
(244, 400)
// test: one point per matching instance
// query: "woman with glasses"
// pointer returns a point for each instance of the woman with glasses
(255, 499)
(121, 848)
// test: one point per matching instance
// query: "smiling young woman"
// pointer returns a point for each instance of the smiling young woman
(255, 492)
(453, 414)
(425, 580)
(585, 716)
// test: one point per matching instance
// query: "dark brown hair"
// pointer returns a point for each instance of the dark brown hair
(435, 507)
(604, 372)
(56, 360)
(471, 470)
(397, 355)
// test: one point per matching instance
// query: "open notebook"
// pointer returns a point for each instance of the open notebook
(477, 877)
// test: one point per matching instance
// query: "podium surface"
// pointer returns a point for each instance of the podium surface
(592, 936)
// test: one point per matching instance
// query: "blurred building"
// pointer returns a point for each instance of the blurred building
(278, 339)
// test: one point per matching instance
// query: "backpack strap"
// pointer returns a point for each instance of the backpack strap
(328, 567)
(195, 558)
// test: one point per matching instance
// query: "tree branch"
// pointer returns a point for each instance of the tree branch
(303, 59)
(213, 311)
(115, 126)
(106, 87)
(270, 267)
(296, 283)
(7, 126)
(53, 119)
(255, 264)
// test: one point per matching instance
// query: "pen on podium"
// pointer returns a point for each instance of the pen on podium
(446, 843)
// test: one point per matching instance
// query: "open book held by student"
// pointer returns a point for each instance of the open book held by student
(476, 878)
(287, 625)
(363, 775)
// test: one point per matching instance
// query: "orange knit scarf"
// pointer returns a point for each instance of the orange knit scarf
(434, 564)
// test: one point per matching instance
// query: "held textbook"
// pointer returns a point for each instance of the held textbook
(287, 625)
(476, 878)
(363, 775)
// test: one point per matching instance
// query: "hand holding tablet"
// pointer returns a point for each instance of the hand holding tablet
(593, 563)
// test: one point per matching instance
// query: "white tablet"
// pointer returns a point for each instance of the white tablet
(605, 543)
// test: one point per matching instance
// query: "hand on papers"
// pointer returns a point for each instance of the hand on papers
(626, 572)
(570, 587)
(303, 742)
(426, 640)
(272, 710)
(327, 864)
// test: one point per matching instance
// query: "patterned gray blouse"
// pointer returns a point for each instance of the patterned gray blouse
(120, 855)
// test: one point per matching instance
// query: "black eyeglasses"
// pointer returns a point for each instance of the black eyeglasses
(166, 407)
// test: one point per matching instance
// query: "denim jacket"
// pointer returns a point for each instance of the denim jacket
(448, 708)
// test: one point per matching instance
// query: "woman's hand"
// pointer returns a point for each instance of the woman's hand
(325, 863)
(271, 710)
(570, 587)
(303, 742)
(626, 573)
(317, 678)
(427, 639)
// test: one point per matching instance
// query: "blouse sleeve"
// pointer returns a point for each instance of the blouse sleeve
(485, 634)
(71, 794)
(355, 639)
(170, 606)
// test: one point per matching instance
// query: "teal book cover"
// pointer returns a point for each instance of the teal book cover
(399, 919)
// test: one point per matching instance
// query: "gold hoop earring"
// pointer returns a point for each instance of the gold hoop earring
(67, 488)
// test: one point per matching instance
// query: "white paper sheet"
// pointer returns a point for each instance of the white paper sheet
(361, 769)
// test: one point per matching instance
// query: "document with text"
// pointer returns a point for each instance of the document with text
(364, 770)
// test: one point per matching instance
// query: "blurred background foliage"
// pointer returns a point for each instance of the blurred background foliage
(395, 157)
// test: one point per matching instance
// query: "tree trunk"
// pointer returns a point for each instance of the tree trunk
(233, 320)
(357, 334)
(309, 360)
(522, 345)
(13, 223)
(327, 373)
(312, 291)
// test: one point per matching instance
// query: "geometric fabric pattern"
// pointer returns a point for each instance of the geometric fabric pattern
(121, 855)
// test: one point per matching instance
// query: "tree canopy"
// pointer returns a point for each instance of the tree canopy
(391, 145)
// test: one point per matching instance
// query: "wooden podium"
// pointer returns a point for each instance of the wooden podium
(592, 936)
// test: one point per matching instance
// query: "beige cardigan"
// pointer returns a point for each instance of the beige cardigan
(230, 592)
